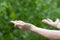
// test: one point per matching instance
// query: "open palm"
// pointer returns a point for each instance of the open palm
(22, 25)
(50, 22)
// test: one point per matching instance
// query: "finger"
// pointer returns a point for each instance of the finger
(21, 22)
(49, 20)
(57, 21)
(46, 21)
(18, 22)
(13, 22)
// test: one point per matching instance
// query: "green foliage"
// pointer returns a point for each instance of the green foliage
(32, 11)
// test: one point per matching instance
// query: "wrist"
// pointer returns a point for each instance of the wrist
(28, 26)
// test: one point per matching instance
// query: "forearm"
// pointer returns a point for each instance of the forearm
(50, 34)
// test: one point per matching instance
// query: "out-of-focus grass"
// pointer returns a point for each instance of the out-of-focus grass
(31, 11)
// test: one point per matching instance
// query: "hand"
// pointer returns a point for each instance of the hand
(21, 24)
(50, 22)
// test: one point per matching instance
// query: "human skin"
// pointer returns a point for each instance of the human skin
(50, 22)
(50, 34)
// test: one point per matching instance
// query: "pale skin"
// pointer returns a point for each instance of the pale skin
(50, 34)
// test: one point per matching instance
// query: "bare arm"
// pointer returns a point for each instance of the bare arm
(50, 22)
(50, 34)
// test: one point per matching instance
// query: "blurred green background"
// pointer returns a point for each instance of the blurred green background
(31, 11)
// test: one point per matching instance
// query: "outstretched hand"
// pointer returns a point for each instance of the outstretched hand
(50, 22)
(22, 25)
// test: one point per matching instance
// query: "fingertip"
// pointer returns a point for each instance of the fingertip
(57, 19)
(11, 21)
(44, 20)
